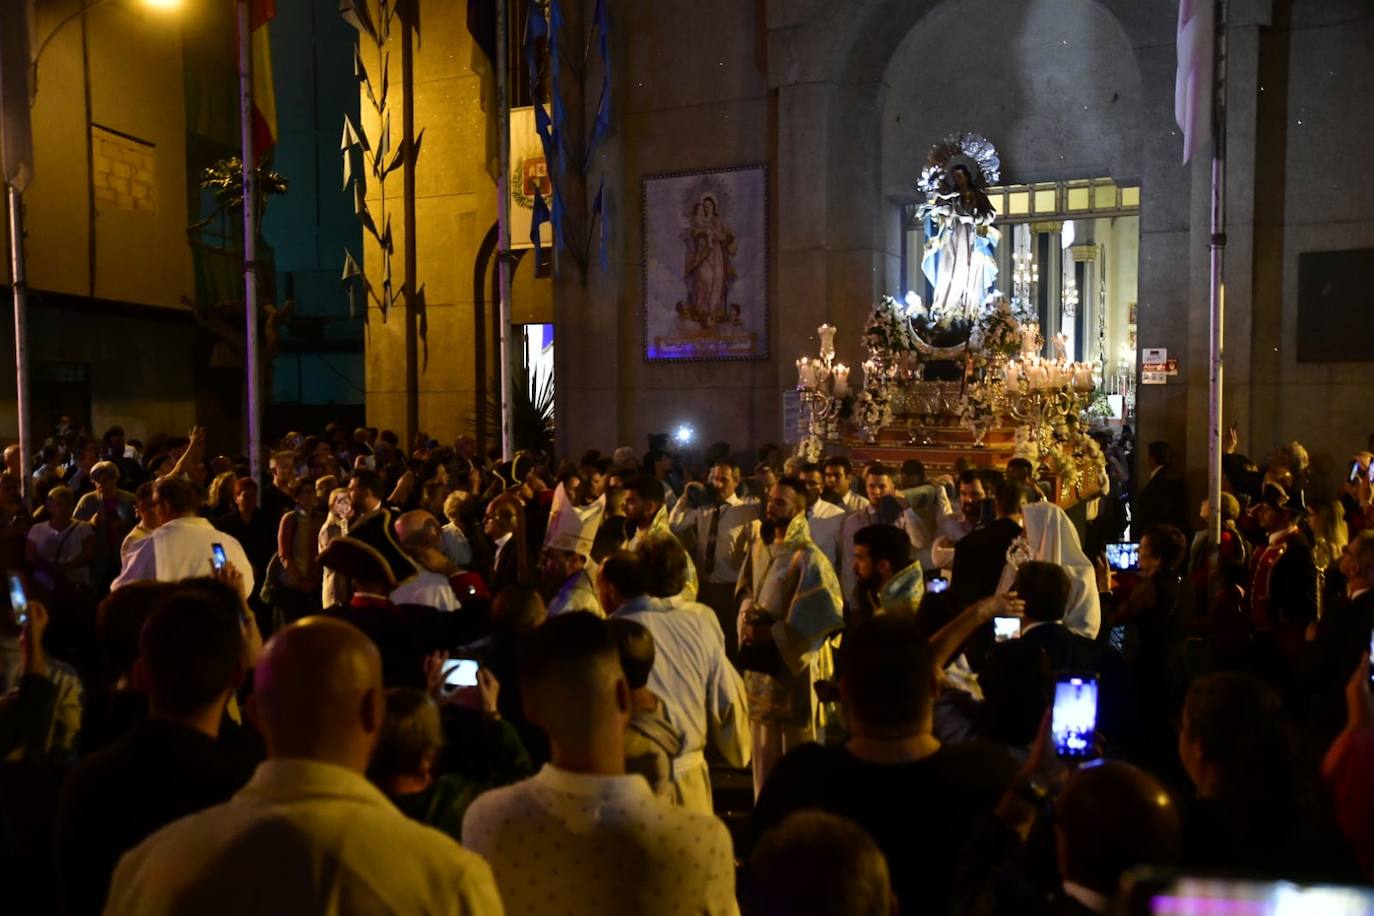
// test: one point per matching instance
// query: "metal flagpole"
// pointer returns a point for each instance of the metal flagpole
(1218, 288)
(20, 288)
(503, 225)
(16, 157)
(250, 242)
(412, 310)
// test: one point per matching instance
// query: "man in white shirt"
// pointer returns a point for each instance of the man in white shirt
(719, 533)
(700, 689)
(182, 547)
(418, 532)
(825, 519)
(880, 482)
(309, 833)
(839, 480)
(582, 836)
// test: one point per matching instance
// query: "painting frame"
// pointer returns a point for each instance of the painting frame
(704, 300)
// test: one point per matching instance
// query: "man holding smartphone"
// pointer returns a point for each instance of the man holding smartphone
(182, 546)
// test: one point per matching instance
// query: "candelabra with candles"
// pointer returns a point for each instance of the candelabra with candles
(1025, 277)
(823, 385)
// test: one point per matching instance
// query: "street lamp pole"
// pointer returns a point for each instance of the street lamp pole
(17, 155)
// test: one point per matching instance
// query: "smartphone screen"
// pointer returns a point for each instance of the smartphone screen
(937, 584)
(19, 600)
(1371, 655)
(460, 672)
(1117, 638)
(1123, 557)
(1005, 628)
(1074, 720)
(217, 557)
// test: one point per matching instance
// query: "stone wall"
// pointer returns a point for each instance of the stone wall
(455, 205)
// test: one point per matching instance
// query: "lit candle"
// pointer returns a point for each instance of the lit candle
(872, 373)
(841, 376)
(827, 333)
(806, 374)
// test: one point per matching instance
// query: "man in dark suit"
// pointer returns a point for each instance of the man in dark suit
(1109, 819)
(173, 763)
(1338, 639)
(1164, 498)
(372, 523)
(504, 525)
(980, 555)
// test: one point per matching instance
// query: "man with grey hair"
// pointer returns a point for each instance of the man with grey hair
(421, 539)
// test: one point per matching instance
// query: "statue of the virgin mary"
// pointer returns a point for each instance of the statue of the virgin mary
(961, 243)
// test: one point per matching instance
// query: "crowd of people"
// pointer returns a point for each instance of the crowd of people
(418, 679)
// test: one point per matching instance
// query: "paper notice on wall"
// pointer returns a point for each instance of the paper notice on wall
(1156, 367)
(528, 172)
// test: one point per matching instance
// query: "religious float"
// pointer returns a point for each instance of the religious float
(965, 376)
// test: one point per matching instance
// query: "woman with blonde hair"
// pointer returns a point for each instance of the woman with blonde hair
(334, 588)
(219, 500)
(1330, 534)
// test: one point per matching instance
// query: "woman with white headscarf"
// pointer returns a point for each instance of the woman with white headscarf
(1049, 536)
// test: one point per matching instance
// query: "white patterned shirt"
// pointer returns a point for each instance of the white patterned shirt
(574, 844)
(302, 837)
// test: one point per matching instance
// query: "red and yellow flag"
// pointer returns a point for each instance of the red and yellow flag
(260, 13)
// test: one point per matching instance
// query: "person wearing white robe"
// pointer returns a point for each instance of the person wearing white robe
(567, 551)
(790, 608)
(1049, 536)
(702, 693)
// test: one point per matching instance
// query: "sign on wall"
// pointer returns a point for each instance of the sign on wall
(706, 265)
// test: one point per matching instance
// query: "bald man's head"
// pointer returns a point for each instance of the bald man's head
(417, 527)
(318, 693)
(1110, 819)
(572, 683)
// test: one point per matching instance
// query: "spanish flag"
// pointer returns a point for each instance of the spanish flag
(260, 13)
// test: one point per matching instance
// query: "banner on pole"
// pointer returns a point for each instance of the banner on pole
(16, 144)
(1193, 80)
(529, 174)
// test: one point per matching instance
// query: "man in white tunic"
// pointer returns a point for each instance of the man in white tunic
(648, 518)
(790, 607)
(582, 836)
(701, 691)
(567, 547)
